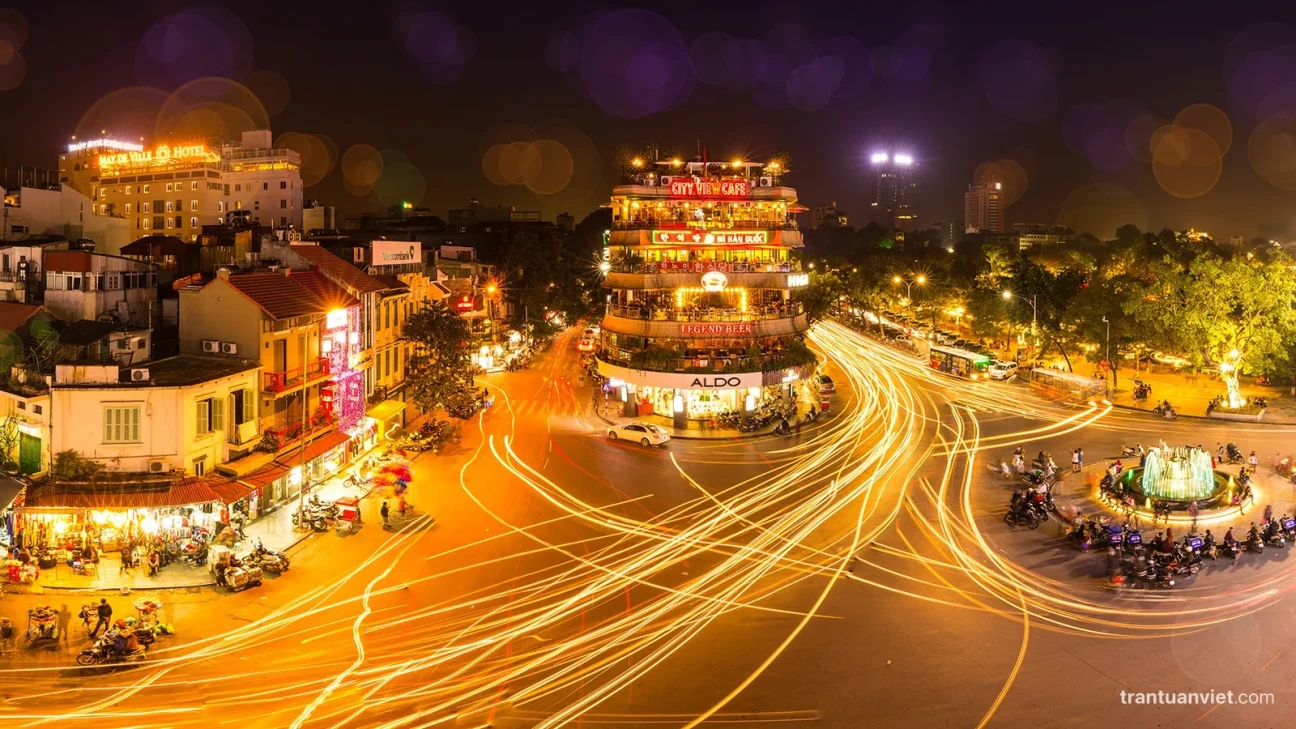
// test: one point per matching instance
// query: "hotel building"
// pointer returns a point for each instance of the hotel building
(176, 188)
(702, 266)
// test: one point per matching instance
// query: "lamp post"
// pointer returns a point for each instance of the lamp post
(1033, 301)
(909, 284)
(1110, 365)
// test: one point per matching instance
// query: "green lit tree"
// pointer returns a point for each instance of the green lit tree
(440, 374)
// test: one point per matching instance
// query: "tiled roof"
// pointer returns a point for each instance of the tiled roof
(86, 331)
(340, 270)
(393, 284)
(193, 490)
(157, 245)
(14, 316)
(334, 296)
(279, 296)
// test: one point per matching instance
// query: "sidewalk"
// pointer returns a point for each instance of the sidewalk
(1189, 395)
(276, 530)
(108, 576)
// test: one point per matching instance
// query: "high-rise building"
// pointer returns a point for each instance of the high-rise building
(896, 191)
(176, 188)
(828, 215)
(983, 208)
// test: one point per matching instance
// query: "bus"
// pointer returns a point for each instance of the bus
(959, 362)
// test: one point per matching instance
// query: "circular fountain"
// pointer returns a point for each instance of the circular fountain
(1178, 476)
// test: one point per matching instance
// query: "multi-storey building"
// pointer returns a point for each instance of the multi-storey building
(702, 265)
(983, 208)
(179, 187)
(57, 210)
(84, 285)
(828, 215)
(895, 191)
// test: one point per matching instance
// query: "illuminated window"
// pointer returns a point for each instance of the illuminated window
(128, 208)
(170, 207)
(128, 190)
(238, 204)
(169, 186)
(146, 207)
(193, 222)
(193, 204)
(146, 188)
(193, 186)
(168, 222)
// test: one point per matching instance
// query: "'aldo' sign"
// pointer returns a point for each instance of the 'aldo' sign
(717, 382)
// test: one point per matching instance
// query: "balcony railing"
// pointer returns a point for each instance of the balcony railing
(754, 313)
(283, 428)
(703, 266)
(289, 379)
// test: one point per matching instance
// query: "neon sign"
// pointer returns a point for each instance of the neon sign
(159, 157)
(735, 328)
(105, 143)
(694, 187)
(718, 237)
(795, 280)
(714, 281)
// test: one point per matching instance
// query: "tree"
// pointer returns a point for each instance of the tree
(70, 465)
(440, 373)
(1233, 313)
(821, 295)
(9, 440)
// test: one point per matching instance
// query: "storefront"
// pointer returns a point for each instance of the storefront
(386, 417)
(691, 396)
(282, 479)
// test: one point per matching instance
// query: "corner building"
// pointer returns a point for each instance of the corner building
(703, 267)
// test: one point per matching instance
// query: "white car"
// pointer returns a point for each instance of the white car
(646, 434)
(826, 384)
(1003, 370)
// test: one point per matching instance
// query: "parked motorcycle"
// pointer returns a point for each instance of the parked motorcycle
(1027, 517)
(273, 562)
(105, 650)
(241, 575)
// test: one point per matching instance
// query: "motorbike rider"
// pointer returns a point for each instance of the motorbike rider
(1208, 541)
(1253, 536)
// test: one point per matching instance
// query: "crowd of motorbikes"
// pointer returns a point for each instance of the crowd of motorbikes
(767, 413)
(432, 436)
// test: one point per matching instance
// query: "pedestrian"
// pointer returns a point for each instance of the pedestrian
(124, 567)
(1254, 460)
(1192, 511)
(1075, 461)
(1080, 453)
(1268, 513)
(64, 620)
(104, 613)
(384, 512)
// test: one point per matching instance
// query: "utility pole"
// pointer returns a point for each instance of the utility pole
(1110, 365)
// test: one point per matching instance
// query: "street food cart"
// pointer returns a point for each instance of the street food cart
(348, 518)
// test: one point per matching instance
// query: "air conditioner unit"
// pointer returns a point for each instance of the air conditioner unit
(767, 182)
(666, 180)
(211, 345)
(159, 466)
(294, 236)
(140, 374)
(228, 348)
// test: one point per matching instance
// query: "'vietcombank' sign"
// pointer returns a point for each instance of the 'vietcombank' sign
(396, 252)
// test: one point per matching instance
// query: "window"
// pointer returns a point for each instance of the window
(128, 208)
(283, 184)
(193, 222)
(238, 204)
(157, 222)
(211, 415)
(128, 190)
(122, 424)
(378, 365)
(169, 207)
(220, 206)
(169, 187)
(200, 466)
(193, 186)
(283, 220)
(146, 207)
(168, 222)
(145, 188)
(113, 282)
(283, 204)
(139, 343)
(265, 186)
(387, 315)
(242, 406)
(256, 204)
(238, 188)
(36, 409)
(144, 222)
(193, 204)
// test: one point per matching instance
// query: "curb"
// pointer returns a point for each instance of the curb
(739, 436)
(1136, 409)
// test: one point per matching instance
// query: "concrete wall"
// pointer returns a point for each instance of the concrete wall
(218, 311)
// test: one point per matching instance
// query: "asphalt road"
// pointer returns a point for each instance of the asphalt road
(858, 574)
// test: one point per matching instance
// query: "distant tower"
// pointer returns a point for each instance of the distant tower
(896, 192)
(983, 208)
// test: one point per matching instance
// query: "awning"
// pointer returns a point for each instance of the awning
(9, 490)
(190, 491)
(230, 490)
(386, 410)
(265, 475)
(314, 449)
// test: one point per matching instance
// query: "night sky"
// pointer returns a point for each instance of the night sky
(523, 104)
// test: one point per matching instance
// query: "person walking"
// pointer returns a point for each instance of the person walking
(1192, 511)
(64, 620)
(124, 567)
(1075, 460)
(1254, 460)
(384, 511)
(104, 613)
(1080, 455)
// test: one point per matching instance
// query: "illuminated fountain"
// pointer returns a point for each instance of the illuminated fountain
(1178, 475)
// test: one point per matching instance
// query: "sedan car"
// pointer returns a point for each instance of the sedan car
(1003, 370)
(586, 344)
(646, 433)
(826, 384)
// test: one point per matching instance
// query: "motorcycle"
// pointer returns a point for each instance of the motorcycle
(240, 575)
(1229, 549)
(1027, 517)
(1233, 454)
(104, 650)
(1255, 545)
(1289, 528)
(1273, 536)
(273, 562)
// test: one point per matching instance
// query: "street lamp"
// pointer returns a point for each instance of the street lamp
(909, 284)
(1033, 301)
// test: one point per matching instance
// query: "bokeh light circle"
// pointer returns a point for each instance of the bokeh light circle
(362, 165)
(634, 63)
(13, 27)
(1186, 162)
(1271, 149)
(401, 182)
(520, 163)
(556, 168)
(236, 109)
(271, 88)
(315, 158)
(13, 71)
(491, 165)
(194, 43)
(1008, 173)
(1209, 120)
(1138, 136)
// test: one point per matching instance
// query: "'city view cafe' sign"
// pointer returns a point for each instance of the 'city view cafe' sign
(696, 187)
(159, 157)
